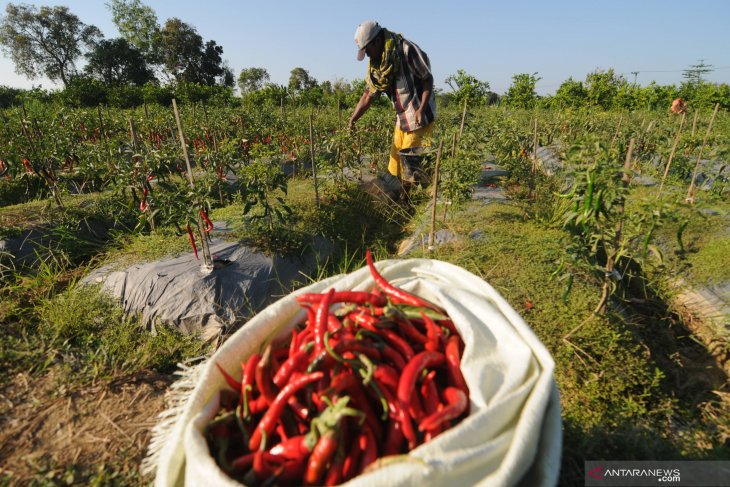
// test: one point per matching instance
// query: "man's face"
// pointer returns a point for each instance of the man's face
(374, 49)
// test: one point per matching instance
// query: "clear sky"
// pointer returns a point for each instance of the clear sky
(490, 40)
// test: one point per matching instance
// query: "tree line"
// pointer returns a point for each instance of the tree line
(153, 63)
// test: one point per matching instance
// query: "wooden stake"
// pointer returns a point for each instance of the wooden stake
(610, 261)
(671, 154)
(694, 123)
(181, 135)
(463, 117)
(314, 163)
(453, 146)
(533, 171)
(132, 134)
(431, 237)
(618, 128)
(207, 258)
(690, 191)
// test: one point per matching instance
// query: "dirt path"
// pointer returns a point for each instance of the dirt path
(97, 431)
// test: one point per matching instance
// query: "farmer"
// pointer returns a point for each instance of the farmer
(401, 70)
(678, 106)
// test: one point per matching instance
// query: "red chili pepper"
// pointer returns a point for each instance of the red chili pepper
(453, 363)
(399, 343)
(430, 393)
(220, 173)
(406, 327)
(395, 358)
(247, 381)
(296, 362)
(456, 404)
(352, 461)
(333, 324)
(242, 463)
(263, 377)
(232, 383)
(387, 376)
(268, 422)
(192, 240)
(321, 455)
(407, 386)
(369, 447)
(393, 439)
(208, 224)
(27, 166)
(320, 321)
(355, 297)
(432, 334)
(293, 448)
(397, 295)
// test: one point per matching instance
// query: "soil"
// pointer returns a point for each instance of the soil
(45, 429)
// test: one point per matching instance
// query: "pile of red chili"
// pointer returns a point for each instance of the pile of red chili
(369, 374)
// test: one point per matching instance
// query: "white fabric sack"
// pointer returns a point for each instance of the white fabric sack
(512, 435)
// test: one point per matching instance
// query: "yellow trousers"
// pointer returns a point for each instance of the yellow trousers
(406, 140)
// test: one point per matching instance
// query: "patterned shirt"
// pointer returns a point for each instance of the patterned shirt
(405, 93)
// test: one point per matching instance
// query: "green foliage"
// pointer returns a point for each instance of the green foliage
(115, 61)
(263, 189)
(602, 87)
(45, 41)
(137, 23)
(252, 79)
(521, 93)
(467, 87)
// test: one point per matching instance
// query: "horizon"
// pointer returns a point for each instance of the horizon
(640, 41)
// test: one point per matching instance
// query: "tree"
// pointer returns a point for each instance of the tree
(467, 87)
(46, 41)
(137, 24)
(571, 94)
(300, 80)
(186, 58)
(602, 87)
(522, 94)
(211, 63)
(116, 62)
(252, 79)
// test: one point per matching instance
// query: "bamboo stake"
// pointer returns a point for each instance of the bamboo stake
(453, 146)
(431, 237)
(690, 191)
(694, 123)
(314, 163)
(132, 134)
(671, 154)
(610, 261)
(463, 117)
(618, 128)
(207, 259)
(533, 171)
(182, 143)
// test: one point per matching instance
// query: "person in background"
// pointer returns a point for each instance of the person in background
(678, 106)
(402, 71)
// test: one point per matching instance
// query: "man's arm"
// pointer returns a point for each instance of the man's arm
(361, 108)
(425, 95)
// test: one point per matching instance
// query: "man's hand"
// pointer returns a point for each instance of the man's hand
(419, 117)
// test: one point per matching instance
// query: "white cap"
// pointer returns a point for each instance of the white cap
(365, 33)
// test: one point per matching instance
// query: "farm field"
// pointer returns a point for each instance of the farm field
(594, 244)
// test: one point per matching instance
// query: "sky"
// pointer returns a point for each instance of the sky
(642, 40)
